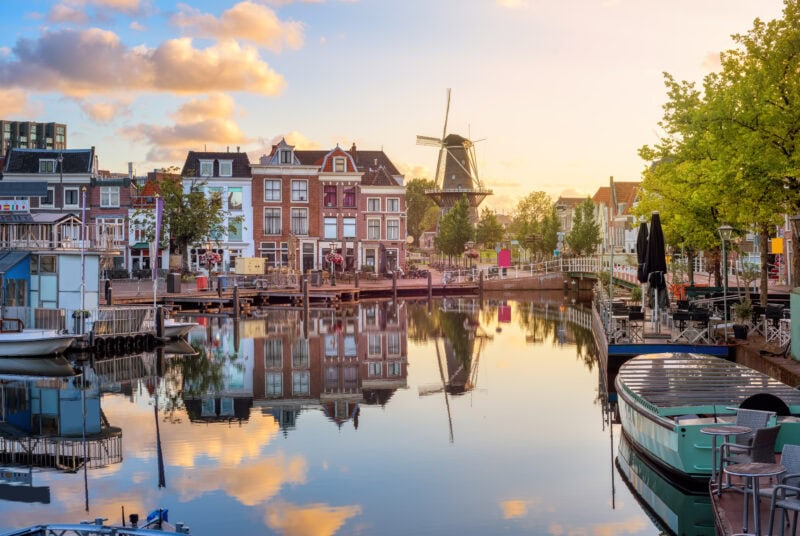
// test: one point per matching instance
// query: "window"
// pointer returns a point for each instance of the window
(272, 221)
(272, 190)
(300, 191)
(392, 229)
(226, 168)
(206, 168)
(373, 204)
(369, 257)
(215, 192)
(235, 229)
(374, 344)
(350, 349)
(16, 293)
(111, 229)
(276, 254)
(48, 201)
(374, 369)
(338, 164)
(393, 344)
(109, 196)
(330, 228)
(300, 382)
(373, 229)
(285, 157)
(299, 221)
(274, 384)
(235, 198)
(47, 264)
(47, 166)
(349, 199)
(393, 204)
(71, 197)
(331, 345)
(273, 353)
(394, 368)
(300, 357)
(349, 227)
(330, 195)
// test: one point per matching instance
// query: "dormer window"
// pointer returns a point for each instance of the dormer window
(206, 168)
(339, 164)
(226, 168)
(285, 157)
(47, 166)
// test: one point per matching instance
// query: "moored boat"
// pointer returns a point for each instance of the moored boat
(666, 399)
(18, 342)
(49, 367)
(175, 330)
(156, 524)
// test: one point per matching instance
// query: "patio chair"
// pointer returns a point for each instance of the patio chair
(762, 449)
(785, 495)
(754, 419)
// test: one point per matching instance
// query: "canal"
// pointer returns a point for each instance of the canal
(382, 418)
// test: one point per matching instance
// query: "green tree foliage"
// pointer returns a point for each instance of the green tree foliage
(455, 229)
(584, 236)
(417, 207)
(530, 225)
(431, 219)
(489, 231)
(729, 154)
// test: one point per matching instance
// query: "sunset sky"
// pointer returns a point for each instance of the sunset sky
(562, 92)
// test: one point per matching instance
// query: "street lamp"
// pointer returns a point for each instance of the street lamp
(795, 221)
(725, 232)
(333, 265)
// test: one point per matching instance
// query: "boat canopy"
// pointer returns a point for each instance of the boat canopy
(682, 383)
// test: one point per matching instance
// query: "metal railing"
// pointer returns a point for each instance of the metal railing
(101, 321)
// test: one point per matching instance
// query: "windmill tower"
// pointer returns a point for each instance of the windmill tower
(456, 170)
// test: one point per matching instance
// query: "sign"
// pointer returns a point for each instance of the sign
(15, 205)
(776, 246)
(556, 252)
(504, 314)
(504, 258)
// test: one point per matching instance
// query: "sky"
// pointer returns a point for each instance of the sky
(560, 93)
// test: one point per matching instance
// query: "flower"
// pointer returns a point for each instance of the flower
(334, 258)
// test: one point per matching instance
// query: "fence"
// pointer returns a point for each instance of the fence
(103, 320)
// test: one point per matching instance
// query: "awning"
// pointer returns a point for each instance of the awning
(24, 189)
(140, 245)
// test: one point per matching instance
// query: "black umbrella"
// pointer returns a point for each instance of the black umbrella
(656, 263)
(641, 253)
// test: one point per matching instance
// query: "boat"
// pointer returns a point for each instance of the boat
(18, 342)
(175, 330)
(672, 507)
(666, 399)
(38, 367)
(156, 524)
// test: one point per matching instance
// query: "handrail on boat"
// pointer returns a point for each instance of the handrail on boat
(19, 325)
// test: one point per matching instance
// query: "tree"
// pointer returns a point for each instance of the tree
(584, 236)
(530, 215)
(489, 230)
(189, 218)
(455, 229)
(417, 206)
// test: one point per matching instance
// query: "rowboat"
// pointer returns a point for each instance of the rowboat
(156, 524)
(175, 330)
(48, 367)
(18, 342)
(666, 399)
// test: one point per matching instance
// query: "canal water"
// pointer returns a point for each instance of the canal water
(383, 418)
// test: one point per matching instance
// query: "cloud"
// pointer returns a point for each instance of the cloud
(414, 171)
(104, 112)
(712, 62)
(512, 4)
(198, 122)
(123, 6)
(514, 509)
(247, 21)
(297, 139)
(308, 520)
(137, 27)
(14, 102)
(56, 61)
(60, 13)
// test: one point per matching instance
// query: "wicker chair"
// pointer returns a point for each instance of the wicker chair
(786, 495)
(753, 419)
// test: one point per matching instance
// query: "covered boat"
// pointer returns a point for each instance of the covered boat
(666, 399)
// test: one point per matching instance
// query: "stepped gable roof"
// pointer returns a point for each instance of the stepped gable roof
(378, 177)
(241, 163)
(76, 161)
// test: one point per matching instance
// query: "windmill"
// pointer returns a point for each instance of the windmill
(456, 170)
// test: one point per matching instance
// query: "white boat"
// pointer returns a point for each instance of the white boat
(36, 367)
(175, 330)
(666, 399)
(18, 342)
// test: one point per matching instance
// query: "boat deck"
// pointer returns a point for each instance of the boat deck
(728, 509)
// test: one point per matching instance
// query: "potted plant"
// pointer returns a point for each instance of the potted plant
(742, 312)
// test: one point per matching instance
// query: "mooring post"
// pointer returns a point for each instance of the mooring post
(305, 306)
(355, 278)
(109, 293)
(235, 300)
(480, 286)
(430, 286)
(219, 286)
(160, 321)
(394, 285)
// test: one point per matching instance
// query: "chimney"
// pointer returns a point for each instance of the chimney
(227, 148)
(376, 162)
(237, 148)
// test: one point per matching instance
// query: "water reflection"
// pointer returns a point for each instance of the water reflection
(252, 427)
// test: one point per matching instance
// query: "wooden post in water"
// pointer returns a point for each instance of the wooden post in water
(305, 306)
(480, 288)
(355, 278)
(394, 285)
(430, 286)
(235, 300)
(160, 321)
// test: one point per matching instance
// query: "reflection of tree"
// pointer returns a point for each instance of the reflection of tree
(193, 376)
(421, 324)
(452, 326)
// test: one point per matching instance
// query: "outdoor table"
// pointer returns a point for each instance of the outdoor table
(725, 431)
(753, 472)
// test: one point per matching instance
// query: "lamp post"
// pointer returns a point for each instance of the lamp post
(61, 178)
(725, 232)
(333, 264)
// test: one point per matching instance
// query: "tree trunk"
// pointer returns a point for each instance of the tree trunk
(718, 269)
(690, 265)
(795, 259)
(763, 246)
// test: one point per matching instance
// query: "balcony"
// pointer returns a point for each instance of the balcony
(52, 232)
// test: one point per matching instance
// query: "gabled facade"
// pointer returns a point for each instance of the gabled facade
(226, 174)
(312, 203)
(565, 209)
(613, 213)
